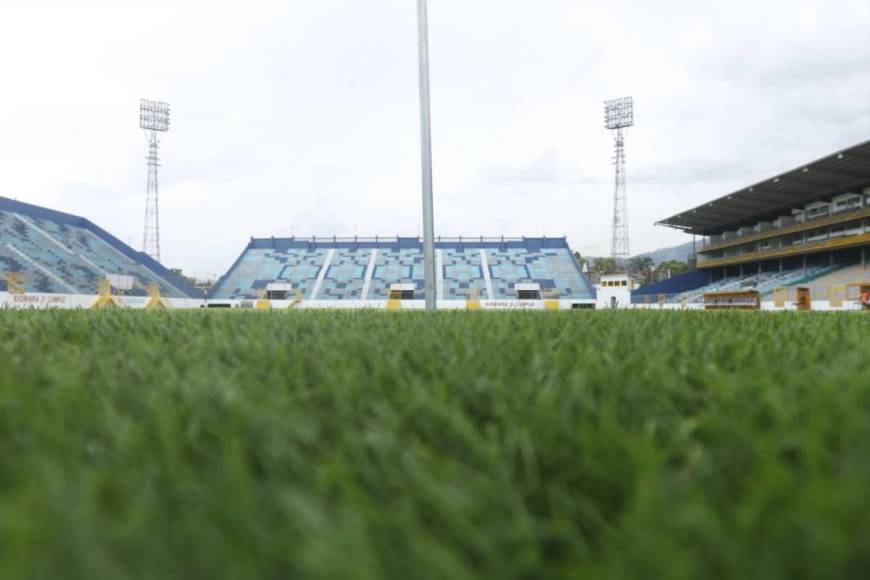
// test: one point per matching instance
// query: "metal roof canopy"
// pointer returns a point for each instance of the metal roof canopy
(837, 173)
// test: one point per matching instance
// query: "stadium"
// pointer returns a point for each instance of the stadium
(808, 228)
(805, 231)
(499, 405)
(55, 259)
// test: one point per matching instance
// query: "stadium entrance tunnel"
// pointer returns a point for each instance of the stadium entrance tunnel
(402, 291)
(528, 291)
(278, 291)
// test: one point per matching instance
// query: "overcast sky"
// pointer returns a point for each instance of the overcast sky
(301, 116)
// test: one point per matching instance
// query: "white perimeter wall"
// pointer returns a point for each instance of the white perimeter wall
(73, 301)
(819, 305)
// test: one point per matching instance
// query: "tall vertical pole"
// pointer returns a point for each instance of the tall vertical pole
(426, 150)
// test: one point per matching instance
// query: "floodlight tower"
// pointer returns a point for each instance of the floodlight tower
(618, 116)
(154, 120)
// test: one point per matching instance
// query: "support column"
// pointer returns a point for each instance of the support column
(426, 151)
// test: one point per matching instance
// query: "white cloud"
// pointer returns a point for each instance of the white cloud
(301, 116)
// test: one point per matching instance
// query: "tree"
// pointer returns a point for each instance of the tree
(581, 261)
(642, 267)
(604, 265)
(641, 264)
(195, 282)
(671, 268)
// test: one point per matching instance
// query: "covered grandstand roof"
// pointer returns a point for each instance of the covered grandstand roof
(836, 173)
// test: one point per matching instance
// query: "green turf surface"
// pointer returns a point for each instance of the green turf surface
(204, 445)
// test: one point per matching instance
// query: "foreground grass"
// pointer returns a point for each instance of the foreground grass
(370, 445)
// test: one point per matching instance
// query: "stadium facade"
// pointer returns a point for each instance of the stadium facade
(508, 272)
(808, 227)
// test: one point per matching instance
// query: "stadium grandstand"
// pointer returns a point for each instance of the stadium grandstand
(808, 228)
(50, 252)
(376, 269)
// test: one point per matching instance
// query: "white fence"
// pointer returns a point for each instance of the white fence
(74, 301)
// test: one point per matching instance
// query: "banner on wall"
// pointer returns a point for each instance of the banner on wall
(120, 282)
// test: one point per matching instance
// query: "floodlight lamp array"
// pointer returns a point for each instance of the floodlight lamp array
(153, 115)
(619, 113)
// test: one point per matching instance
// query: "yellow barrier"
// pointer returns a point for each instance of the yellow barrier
(16, 282)
(472, 299)
(837, 295)
(297, 301)
(551, 299)
(156, 301)
(106, 301)
(263, 303)
(394, 302)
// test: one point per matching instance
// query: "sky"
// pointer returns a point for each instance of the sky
(301, 117)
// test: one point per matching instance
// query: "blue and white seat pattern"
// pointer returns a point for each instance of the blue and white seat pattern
(323, 269)
(66, 256)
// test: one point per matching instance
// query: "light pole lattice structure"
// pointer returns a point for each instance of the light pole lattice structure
(619, 116)
(154, 120)
(426, 151)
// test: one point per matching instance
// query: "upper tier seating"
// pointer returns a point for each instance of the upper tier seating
(352, 269)
(64, 254)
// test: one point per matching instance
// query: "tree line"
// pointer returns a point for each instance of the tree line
(641, 267)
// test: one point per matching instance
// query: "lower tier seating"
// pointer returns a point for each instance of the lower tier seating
(326, 269)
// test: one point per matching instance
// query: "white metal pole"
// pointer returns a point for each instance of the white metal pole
(426, 143)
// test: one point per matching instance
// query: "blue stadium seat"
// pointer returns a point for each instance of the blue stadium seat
(691, 286)
(66, 254)
(353, 268)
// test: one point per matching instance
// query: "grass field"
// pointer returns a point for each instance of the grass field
(372, 445)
